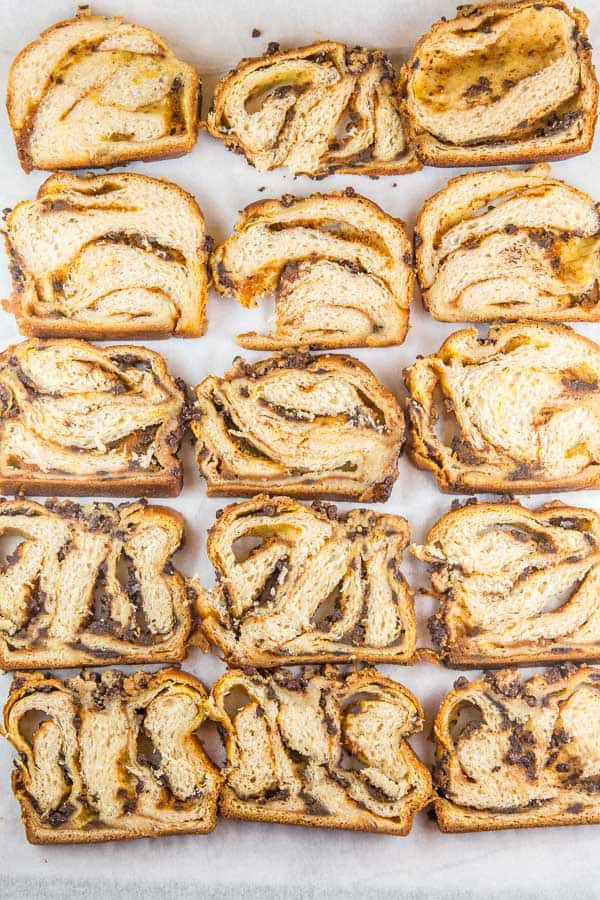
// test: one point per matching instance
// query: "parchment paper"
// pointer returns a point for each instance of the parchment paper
(258, 860)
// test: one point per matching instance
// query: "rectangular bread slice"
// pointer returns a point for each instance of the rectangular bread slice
(298, 425)
(320, 749)
(503, 82)
(339, 267)
(509, 245)
(322, 109)
(516, 586)
(106, 257)
(96, 91)
(91, 585)
(110, 757)
(516, 412)
(298, 584)
(80, 419)
(519, 754)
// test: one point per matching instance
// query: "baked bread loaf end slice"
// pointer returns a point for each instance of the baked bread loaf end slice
(106, 257)
(86, 420)
(339, 267)
(516, 586)
(513, 754)
(96, 91)
(299, 425)
(91, 585)
(316, 110)
(516, 412)
(509, 245)
(297, 585)
(320, 749)
(107, 757)
(502, 83)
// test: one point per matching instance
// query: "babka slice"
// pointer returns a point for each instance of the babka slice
(106, 257)
(86, 420)
(339, 267)
(516, 412)
(91, 585)
(316, 110)
(96, 91)
(508, 245)
(502, 83)
(320, 749)
(516, 586)
(110, 757)
(513, 754)
(299, 425)
(297, 584)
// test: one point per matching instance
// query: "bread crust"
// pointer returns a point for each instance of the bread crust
(303, 804)
(366, 245)
(433, 151)
(89, 695)
(267, 458)
(534, 221)
(347, 61)
(496, 566)
(483, 466)
(126, 480)
(59, 191)
(161, 148)
(543, 725)
(288, 611)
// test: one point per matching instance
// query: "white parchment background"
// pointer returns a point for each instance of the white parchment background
(256, 860)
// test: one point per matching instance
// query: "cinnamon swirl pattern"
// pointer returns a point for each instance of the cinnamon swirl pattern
(80, 419)
(130, 262)
(300, 425)
(513, 754)
(107, 757)
(297, 584)
(339, 267)
(320, 749)
(515, 586)
(517, 412)
(96, 91)
(91, 585)
(316, 110)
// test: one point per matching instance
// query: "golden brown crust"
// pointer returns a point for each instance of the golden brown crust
(338, 266)
(79, 419)
(56, 299)
(355, 82)
(457, 409)
(260, 429)
(315, 586)
(124, 794)
(66, 600)
(512, 754)
(498, 569)
(565, 131)
(319, 714)
(186, 89)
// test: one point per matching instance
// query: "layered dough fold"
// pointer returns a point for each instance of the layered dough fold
(316, 110)
(297, 584)
(96, 91)
(320, 749)
(296, 424)
(108, 256)
(108, 757)
(339, 267)
(517, 412)
(519, 754)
